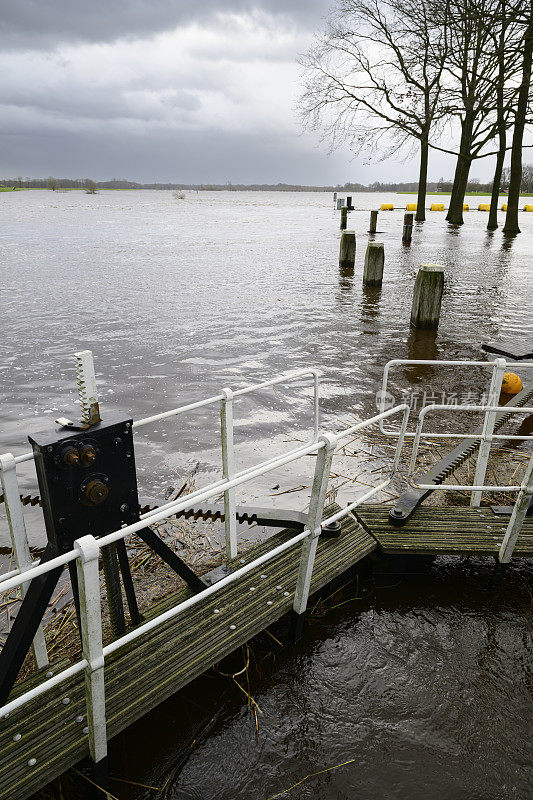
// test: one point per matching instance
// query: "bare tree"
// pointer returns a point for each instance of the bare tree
(90, 186)
(374, 78)
(473, 86)
(524, 11)
(52, 183)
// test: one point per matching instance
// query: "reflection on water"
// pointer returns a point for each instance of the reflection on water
(180, 298)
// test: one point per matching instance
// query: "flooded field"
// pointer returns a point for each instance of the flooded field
(412, 690)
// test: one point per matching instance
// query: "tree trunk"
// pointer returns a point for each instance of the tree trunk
(492, 223)
(422, 181)
(462, 169)
(511, 218)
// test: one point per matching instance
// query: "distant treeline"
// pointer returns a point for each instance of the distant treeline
(82, 183)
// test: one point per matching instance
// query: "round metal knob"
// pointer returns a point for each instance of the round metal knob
(71, 457)
(88, 454)
(95, 492)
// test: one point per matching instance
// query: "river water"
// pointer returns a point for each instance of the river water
(423, 688)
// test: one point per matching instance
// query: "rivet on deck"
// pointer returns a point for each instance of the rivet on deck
(32, 762)
(17, 737)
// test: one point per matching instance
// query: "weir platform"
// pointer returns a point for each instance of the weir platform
(88, 490)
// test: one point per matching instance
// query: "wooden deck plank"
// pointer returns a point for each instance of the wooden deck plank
(435, 530)
(170, 657)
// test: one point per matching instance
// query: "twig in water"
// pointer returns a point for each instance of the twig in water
(312, 775)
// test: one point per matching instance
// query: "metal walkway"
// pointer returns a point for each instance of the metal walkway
(41, 740)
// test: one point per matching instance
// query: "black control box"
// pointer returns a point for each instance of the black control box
(87, 480)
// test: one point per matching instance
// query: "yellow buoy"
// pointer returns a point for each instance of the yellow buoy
(484, 207)
(466, 207)
(528, 208)
(387, 206)
(511, 383)
(411, 207)
(437, 207)
(504, 207)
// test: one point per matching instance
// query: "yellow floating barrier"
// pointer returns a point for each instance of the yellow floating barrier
(504, 207)
(437, 207)
(387, 206)
(484, 207)
(466, 207)
(528, 208)
(411, 207)
(511, 383)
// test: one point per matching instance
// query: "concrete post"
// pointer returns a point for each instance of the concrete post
(407, 228)
(374, 262)
(373, 221)
(427, 296)
(344, 218)
(347, 250)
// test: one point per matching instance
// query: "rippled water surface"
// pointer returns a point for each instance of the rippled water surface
(424, 689)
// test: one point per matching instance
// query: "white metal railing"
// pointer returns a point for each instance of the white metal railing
(524, 489)
(490, 409)
(87, 549)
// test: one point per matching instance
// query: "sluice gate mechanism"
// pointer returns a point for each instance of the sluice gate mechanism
(88, 492)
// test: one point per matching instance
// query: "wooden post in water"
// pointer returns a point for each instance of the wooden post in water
(344, 218)
(427, 296)
(374, 263)
(334, 198)
(347, 250)
(373, 221)
(407, 228)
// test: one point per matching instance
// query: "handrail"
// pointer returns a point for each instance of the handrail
(482, 436)
(328, 442)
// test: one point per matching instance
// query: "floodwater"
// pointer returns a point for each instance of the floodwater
(424, 688)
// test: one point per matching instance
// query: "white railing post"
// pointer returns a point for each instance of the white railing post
(228, 470)
(91, 633)
(518, 515)
(19, 540)
(488, 429)
(324, 458)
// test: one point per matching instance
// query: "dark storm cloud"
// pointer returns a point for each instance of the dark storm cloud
(44, 24)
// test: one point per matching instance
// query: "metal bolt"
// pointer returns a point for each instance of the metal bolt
(242, 561)
(16, 737)
(79, 719)
(66, 701)
(286, 594)
(252, 588)
(86, 730)
(233, 627)
(128, 425)
(216, 611)
(263, 576)
(49, 674)
(279, 587)
(269, 602)
(32, 762)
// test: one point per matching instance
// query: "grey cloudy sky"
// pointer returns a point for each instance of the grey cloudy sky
(166, 90)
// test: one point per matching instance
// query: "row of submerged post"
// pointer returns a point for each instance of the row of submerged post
(429, 283)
